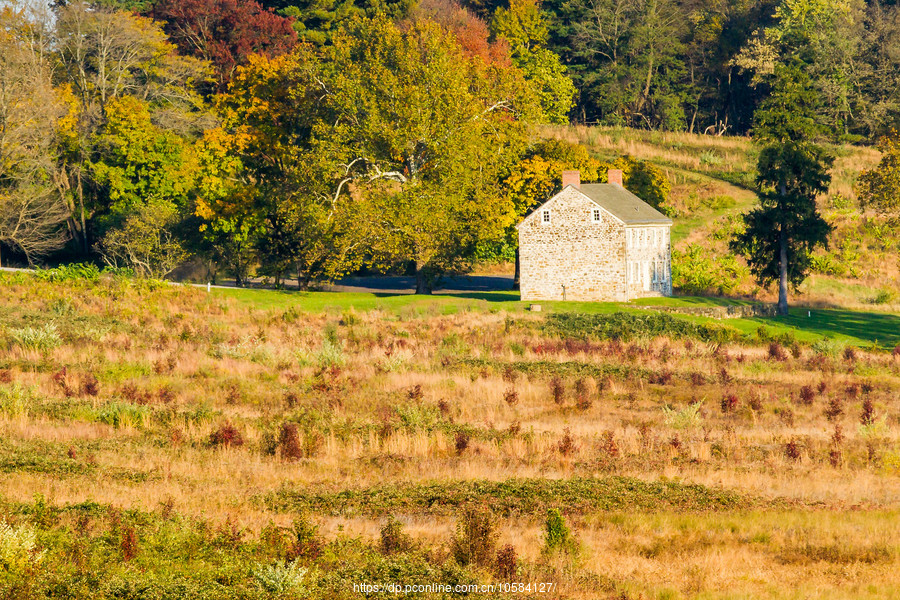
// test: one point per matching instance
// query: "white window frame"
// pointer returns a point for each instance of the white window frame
(595, 215)
(546, 217)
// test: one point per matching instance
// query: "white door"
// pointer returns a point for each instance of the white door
(646, 276)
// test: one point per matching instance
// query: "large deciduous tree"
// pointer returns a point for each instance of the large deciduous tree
(225, 32)
(524, 28)
(879, 188)
(793, 170)
(624, 57)
(32, 210)
(104, 57)
(428, 131)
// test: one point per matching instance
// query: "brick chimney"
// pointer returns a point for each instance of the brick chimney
(615, 176)
(572, 178)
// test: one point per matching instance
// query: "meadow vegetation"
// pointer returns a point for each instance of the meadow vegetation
(159, 441)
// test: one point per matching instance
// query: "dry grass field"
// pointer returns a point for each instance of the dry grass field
(158, 441)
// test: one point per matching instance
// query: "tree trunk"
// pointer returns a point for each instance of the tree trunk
(782, 265)
(516, 277)
(421, 282)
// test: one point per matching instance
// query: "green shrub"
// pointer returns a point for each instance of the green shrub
(626, 326)
(121, 415)
(697, 270)
(688, 417)
(330, 354)
(884, 296)
(280, 578)
(37, 338)
(557, 536)
(475, 537)
(17, 400)
(18, 549)
(393, 538)
(829, 347)
(72, 272)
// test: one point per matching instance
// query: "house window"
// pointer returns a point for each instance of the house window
(595, 215)
(545, 216)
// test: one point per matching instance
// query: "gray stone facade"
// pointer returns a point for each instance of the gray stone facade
(573, 248)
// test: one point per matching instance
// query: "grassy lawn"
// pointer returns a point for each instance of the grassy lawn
(857, 328)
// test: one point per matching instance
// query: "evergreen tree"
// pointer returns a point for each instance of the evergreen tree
(793, 170)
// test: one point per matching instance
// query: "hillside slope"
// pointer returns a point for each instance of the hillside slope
(713, 183)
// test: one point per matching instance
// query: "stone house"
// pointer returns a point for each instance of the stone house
(594, 242)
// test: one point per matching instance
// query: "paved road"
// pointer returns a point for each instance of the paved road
(407, 285)
(387, 284)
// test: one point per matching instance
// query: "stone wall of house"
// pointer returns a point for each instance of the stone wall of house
(648, 260)
(572, 257)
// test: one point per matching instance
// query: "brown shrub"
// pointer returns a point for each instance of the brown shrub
(415, 393)
(867, 416)
(134, 394)
(724, 377)
(786, 415)
(444, 407)
(777, 352)
(807, 395)
(697, 379)
(6, 375)
(291, 399)
(755, 401)
(676, 443)
(511, 396)
(289, 442)
(462, 442)
(226, 435)
(792, 450)
(729, 403)
(90, 386)
(234, 394)
(566, 445)
(558, 390)
(129, 544)
(608, 444)
(515, 428)
(507, 562)
(834, 409)
(584, 392)
(661, 378)
(61, 379)
(166, 394)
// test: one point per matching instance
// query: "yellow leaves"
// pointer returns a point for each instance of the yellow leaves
(219, 167)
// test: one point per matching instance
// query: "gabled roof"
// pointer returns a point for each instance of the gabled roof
(616, 200)
(623, 204)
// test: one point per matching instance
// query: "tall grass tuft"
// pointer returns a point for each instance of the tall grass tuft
(37, 338)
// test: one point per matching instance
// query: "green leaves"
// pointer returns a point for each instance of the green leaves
(879, 188)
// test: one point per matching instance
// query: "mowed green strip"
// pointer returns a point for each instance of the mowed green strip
(513, 497)
(858, 328)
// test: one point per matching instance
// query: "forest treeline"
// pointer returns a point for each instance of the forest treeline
(313, 139)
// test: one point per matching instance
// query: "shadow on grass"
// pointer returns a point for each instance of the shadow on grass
(489, 296)
(882, 328)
